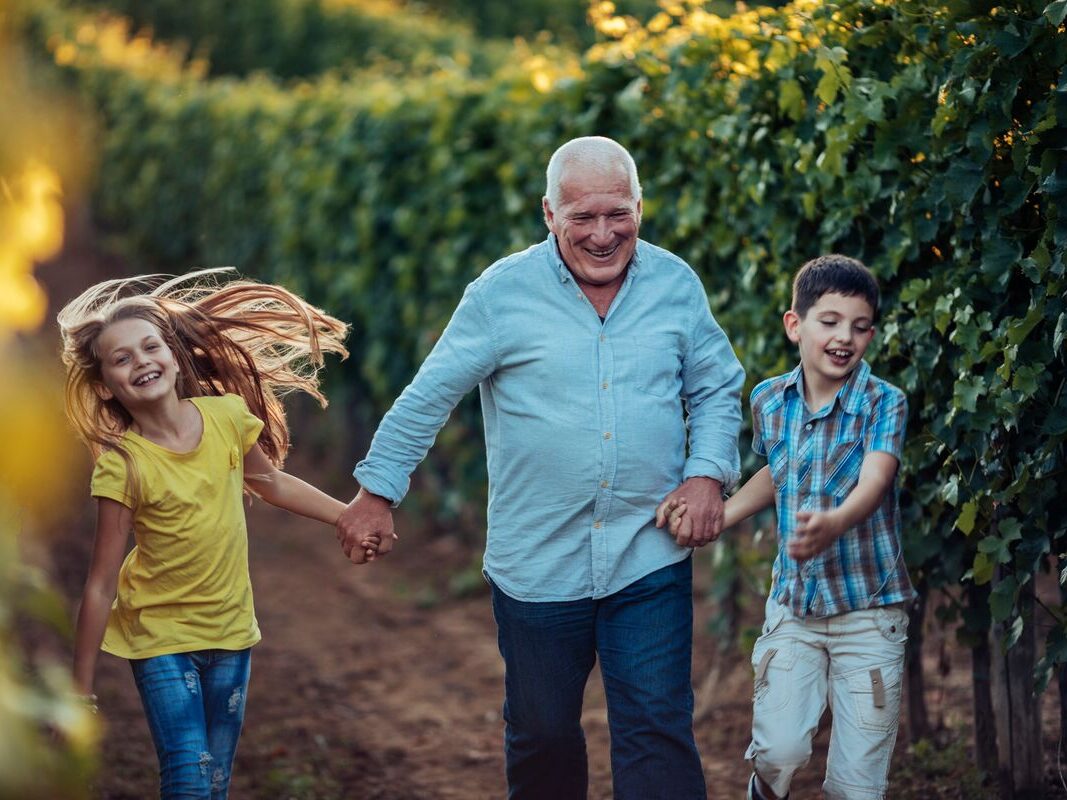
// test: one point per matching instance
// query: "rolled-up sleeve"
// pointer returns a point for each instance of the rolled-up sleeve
(712, 379)
(463, 356)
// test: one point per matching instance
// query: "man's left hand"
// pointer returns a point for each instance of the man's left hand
(703, 515)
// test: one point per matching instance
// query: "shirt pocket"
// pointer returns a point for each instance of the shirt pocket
(843, 468)
(657, 364)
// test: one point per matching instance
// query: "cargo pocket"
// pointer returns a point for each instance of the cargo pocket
(875, 695)
(771, 664)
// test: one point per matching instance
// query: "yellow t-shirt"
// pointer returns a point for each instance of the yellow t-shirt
(185, 585)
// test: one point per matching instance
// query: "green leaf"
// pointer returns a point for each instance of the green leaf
(1056, 12)
(1061, 327)
(1019, 330)
(1025, 380)
(962, 182)
(1002, 598)
(982, 571)
(967, 391)
(1011, 529)
(791, 99)
(1011, 636)
(965, 521)
(950, 492)
(828, 86)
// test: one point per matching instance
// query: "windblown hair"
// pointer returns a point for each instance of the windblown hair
(256, 340)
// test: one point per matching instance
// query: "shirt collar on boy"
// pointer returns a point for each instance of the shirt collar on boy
(851, 396)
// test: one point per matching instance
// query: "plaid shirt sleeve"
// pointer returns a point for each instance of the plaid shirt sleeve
(886, 430)
(755, 404)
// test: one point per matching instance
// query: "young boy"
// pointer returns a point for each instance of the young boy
(835, 622)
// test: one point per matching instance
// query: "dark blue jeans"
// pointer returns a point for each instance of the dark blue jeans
(195, 705)
(643, 636)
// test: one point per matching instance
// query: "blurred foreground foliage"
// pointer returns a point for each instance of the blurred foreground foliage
(926, 138)
(47, 749)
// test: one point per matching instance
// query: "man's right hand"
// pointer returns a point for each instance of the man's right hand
(367, 517)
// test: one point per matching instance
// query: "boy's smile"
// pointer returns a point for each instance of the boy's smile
(833, 337)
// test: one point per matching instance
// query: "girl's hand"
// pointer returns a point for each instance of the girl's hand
(369, 545)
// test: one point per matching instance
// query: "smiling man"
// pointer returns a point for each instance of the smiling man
(606, 387)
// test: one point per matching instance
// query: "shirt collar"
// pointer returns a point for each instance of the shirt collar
(565, 274)
(850, 396)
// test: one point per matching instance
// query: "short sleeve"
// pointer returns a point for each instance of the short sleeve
(756, 405)
(248, 424)
(885, 433)
(109, 479)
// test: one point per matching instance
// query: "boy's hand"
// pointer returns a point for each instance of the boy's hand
(680, 525)
(816, 530)
(702, 521)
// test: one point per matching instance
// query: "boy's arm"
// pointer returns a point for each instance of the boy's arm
(113, 522)
(756, 495)
(287, 491)
(817, 530)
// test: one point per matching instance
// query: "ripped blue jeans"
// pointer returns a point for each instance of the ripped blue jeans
(195, 705)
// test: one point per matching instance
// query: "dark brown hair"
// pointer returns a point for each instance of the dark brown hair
(833, 273)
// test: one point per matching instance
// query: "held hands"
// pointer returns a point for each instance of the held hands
(816, 530)
(693, 512)
(365, 528)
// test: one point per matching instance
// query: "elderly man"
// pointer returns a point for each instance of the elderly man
(595, 354)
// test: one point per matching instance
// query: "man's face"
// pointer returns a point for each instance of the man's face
(595, 224)
(833, 337)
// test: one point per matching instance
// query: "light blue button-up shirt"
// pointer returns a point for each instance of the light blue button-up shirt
(586, 422)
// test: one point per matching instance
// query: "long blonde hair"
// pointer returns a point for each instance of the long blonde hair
(256, 340)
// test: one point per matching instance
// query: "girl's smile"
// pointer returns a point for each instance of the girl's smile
(136, 365)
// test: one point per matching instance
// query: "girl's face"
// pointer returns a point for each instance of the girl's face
(136, 366)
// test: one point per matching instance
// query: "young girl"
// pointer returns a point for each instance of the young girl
(175, 386)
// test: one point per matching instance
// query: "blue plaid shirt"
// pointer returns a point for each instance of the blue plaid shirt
(588, 424)
(815, 460)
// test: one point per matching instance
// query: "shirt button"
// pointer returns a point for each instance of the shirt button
(607, 435)
(603, 484)
(596, 524)
(604, 385)
(603, 338)
(809, 426)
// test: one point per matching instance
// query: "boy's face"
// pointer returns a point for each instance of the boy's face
(833, 336)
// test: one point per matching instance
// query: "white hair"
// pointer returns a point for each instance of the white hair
(591, 152)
